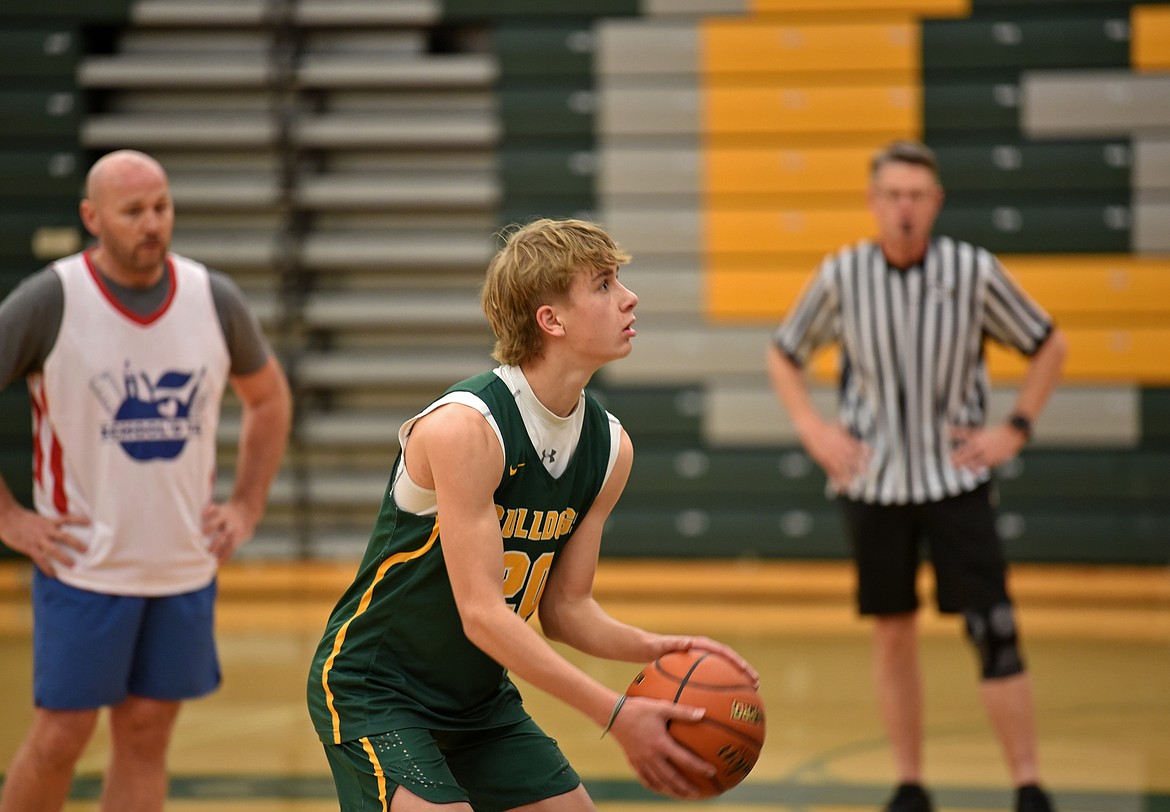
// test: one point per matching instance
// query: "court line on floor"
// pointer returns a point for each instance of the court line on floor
(776, 794)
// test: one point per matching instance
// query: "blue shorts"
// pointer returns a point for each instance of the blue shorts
(92, 650)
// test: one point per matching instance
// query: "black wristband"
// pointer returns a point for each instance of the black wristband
(1022, 424)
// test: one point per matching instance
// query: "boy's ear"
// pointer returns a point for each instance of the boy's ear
(548, 320)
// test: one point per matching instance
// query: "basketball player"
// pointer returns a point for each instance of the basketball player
(127, 350)
(910, 457)
(494, 512)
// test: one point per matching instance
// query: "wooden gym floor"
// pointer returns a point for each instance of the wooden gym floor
(1097, 641)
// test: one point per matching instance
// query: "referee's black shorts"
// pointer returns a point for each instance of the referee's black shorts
(964, 547)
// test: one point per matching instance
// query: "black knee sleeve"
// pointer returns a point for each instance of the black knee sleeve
(993, 633)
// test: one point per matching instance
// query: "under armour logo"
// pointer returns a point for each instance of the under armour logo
(548, 456)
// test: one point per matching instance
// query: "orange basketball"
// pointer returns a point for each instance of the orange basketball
(730, 735)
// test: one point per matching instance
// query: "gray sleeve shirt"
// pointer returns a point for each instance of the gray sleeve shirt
(30, 318)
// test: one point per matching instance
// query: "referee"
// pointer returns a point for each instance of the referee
(910, 456)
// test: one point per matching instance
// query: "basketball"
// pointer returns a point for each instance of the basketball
(730, 735)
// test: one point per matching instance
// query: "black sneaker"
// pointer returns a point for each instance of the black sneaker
(1030, 798)
(910, 798)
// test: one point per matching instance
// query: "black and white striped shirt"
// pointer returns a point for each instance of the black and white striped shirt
(912, 359)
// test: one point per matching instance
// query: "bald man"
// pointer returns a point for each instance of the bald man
(127, 350)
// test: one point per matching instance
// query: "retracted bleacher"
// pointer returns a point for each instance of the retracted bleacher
(348, 162)
(734, 146)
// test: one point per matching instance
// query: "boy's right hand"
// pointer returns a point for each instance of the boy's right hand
(654, 755)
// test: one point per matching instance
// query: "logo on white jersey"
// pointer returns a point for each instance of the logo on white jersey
(151, 419)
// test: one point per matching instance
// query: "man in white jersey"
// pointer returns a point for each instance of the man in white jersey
(127, 350)
(910, 456)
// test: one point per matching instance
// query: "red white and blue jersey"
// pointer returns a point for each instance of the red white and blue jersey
(125, 412)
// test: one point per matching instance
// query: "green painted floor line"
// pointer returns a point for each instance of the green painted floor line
(780, 794)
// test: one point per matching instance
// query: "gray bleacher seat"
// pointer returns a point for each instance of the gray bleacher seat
(629, 171)
(229, 190)
(364, 70)
(352, 489)
(667, 8)
(391, 367)
(459, 180)
(204, 119)
(646, 47)
(324, 543)
(401, 188)
(369, 41)
(281, 494)
(171, 70)
(325, 13)
(382, 189)
(228, 248)
(670, 110)
(1151, 222)
(1090, 103)
(239, 185)
(266, 305)
(465, 11)
(666, 288)
(216, 13)
(1082, 416)
(670, 354)
(183, 59)
(1151, 162)
(748, 413)
(350, 250)
(217, 130)
(398, 309)
(354, 428)
(389, 130)
(645, 231)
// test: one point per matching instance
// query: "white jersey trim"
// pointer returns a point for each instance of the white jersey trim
(545, 429)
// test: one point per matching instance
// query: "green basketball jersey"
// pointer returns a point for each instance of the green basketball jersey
(394, 653)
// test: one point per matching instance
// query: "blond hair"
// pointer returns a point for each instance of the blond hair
(535, 266)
